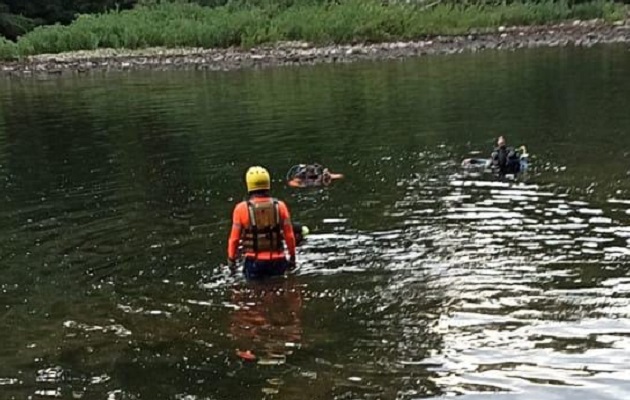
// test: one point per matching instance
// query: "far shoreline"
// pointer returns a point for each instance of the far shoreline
(566, 34)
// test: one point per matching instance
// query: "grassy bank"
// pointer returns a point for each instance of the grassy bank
(191, 25)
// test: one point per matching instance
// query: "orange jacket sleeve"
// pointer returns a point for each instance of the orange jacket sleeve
(287, 228)
(235, 234)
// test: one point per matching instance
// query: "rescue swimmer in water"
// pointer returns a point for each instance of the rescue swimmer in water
(262, 224)
(507, 160)
(504, 160)
(310, 175)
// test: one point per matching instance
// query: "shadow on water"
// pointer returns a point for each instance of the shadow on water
(419, 279)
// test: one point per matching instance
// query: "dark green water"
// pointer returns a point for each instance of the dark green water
(419, 280)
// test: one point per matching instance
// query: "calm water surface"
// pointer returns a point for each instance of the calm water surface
(420, 280)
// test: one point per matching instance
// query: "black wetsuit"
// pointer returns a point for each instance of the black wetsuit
(311, 175)
(506, 160)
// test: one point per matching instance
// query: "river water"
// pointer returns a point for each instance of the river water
(419, 280)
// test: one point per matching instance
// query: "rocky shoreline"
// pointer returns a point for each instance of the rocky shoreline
(576, 33)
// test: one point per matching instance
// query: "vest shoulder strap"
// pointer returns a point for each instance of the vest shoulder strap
(252, 214)
(276, 211)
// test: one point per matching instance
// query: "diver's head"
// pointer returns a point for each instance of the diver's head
(257, 179)
(300, 231)
(501, 141)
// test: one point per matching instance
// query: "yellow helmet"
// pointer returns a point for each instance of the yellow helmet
(257, 178)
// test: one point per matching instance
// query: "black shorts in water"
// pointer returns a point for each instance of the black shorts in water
(259, 269)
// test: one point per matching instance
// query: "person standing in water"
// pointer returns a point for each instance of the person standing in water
(263, 225)
(505, 159)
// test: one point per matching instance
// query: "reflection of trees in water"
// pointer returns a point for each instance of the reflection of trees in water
(53, 144)
(376, 327)
(93, 168)
(92, 182)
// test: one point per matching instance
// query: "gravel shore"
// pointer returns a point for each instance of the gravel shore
(575, 33)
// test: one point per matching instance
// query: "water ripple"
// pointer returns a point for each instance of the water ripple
(420, 279)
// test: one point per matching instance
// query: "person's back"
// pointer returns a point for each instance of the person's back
(261, 218)
(263, 225)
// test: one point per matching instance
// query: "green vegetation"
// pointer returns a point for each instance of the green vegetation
(8, 50)
(247, 24)
(20, 16)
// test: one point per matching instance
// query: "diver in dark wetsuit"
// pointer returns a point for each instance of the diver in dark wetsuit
(310, 175)
(311, 172)
(506, 160)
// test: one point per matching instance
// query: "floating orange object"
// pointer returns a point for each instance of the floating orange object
(246, 355)
(302, 183)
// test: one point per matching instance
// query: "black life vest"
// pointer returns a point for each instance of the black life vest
(507, 160)
(264, 232)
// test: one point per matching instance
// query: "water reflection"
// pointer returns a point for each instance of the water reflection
(420, 279)
(266, 319)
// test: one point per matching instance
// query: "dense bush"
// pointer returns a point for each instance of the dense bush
(251, 22)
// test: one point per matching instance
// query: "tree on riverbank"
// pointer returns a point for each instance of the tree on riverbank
(20, 16)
